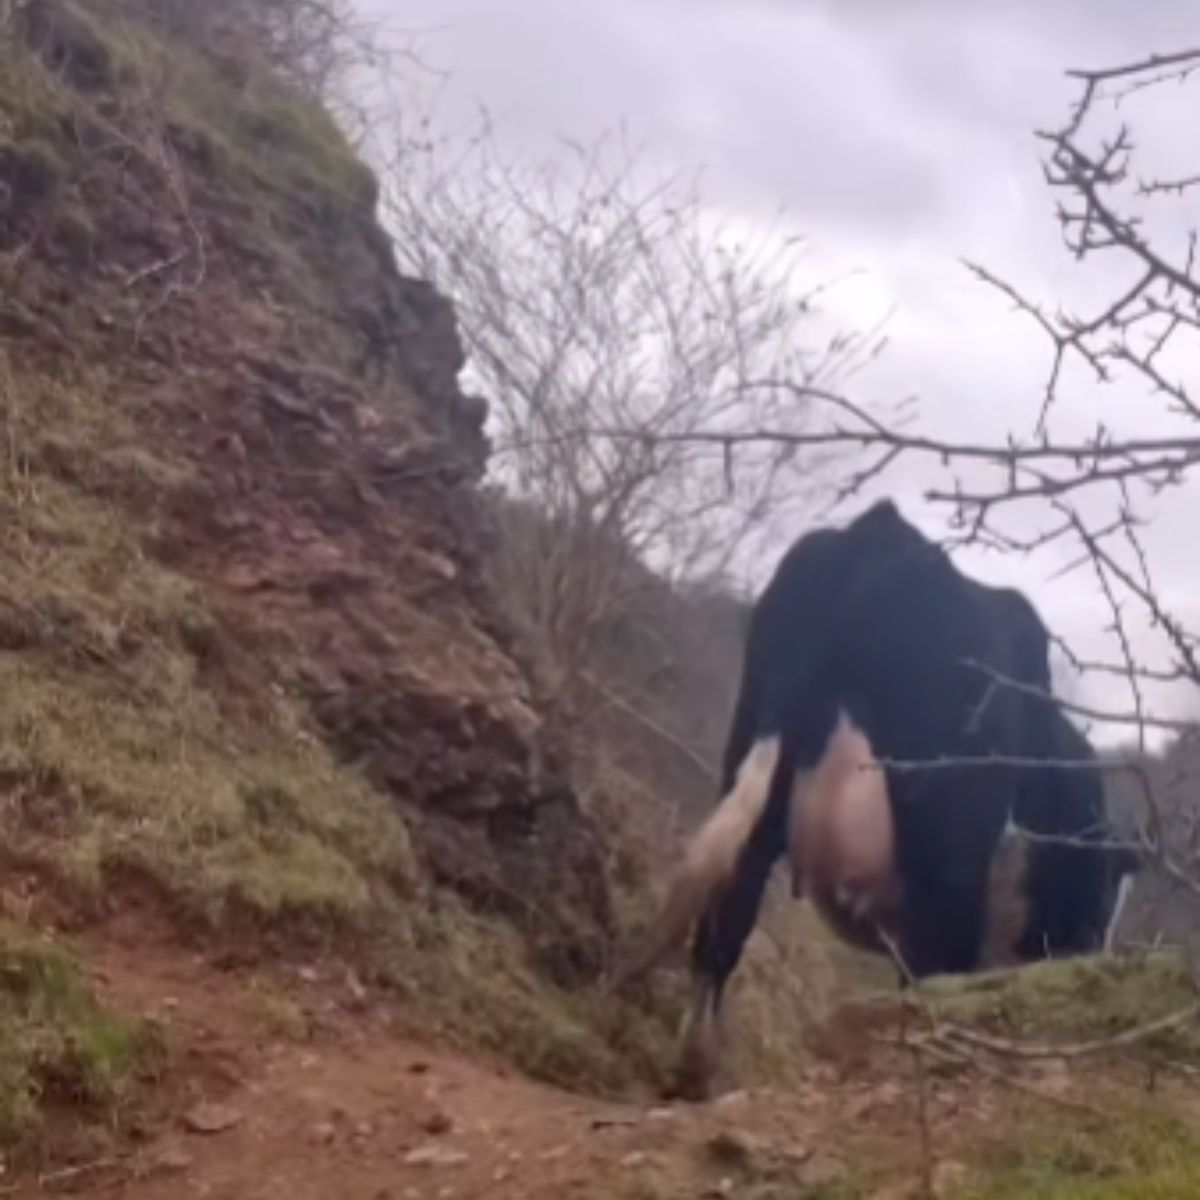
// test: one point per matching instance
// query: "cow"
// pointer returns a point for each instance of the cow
(896, 740)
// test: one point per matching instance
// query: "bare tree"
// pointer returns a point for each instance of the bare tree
(592, 294)
(1089, 496)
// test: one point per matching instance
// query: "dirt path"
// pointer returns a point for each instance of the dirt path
(306, 1088)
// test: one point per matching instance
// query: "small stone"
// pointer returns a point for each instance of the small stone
(172, 1161)
(660, 1114)
(442, 566)
(437, 1123)
(358, 995)
(730, 1100)
(613, 1123)
(633, 1160)
(435, 1155)
(733, 1147)
(1054, 1077)
(323, 1134)
(309, 974)
(212, 1118)
(796, 1155)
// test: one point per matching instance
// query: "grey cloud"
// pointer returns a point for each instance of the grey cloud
(899, 135)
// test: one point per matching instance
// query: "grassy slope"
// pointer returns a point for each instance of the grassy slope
(113, 748)
(57, 1045)
(1141, 1143)
(123, 752)
(1141, 1152)
(113, 753)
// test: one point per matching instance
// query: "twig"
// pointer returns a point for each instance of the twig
(702, 765)
(1011, 1049)
(1139, 718)
(54, 1179)
(956, 1057)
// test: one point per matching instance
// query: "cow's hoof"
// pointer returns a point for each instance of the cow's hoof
(696, 1072)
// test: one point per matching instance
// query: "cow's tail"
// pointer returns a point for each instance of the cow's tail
(711, 856)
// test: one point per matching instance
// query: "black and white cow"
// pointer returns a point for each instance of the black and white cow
(886, 740)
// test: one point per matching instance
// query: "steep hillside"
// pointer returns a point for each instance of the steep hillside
(250, 670)
(254, 674)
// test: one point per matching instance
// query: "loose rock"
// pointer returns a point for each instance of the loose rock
(437, 1123)
(171, 1161)
(733, 1148)
(212, 1118)
(435, 1155)
(323, 1134)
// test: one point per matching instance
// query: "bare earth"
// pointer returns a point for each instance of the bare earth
(302, 1086)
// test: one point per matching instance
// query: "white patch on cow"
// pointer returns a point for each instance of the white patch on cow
(1124, 891)
(712, 854)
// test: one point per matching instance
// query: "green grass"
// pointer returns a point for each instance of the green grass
(1139, 1152)
(56, 1042)
(1140, 1148)
(1081, 999)
(280, 1015)
(116, 750)
(261, 136)
(252, 147)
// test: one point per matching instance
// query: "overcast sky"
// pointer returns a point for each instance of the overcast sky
(900, 138)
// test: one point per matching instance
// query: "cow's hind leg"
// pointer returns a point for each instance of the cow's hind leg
(949, 841)
(720, 938)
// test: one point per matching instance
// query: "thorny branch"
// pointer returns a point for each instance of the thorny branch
(1000, 1058)
(1138, 343)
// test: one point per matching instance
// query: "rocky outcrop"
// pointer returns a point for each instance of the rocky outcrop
(218, 253)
